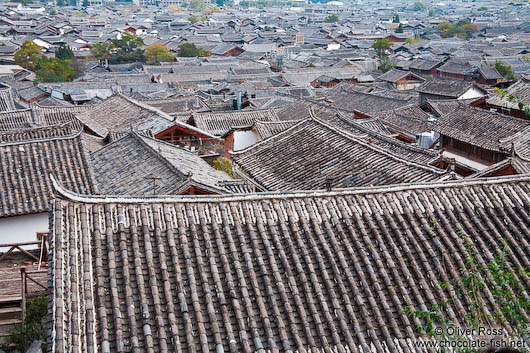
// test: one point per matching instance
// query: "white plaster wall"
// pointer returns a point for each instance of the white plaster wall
(243, 139)
(471, 94)
(22, 229)
(333, 46)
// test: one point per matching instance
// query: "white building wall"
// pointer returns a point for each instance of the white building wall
(21, 229)
(243, 139)
(471, 94)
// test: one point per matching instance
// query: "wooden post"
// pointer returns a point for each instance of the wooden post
(23, 304)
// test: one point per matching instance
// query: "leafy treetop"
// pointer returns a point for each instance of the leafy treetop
(157, 53)
(190, 50)
(27, 55)
(331, 19)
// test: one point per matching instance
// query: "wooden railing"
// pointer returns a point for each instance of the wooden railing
(25, 276)
(17, 247)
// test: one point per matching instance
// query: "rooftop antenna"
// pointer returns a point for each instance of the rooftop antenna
(154, 179)
(328, 184)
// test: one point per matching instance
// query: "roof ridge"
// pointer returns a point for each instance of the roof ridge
(137, 136)
(44, 139)
(388, 138)
(68, 195)
(381, 150)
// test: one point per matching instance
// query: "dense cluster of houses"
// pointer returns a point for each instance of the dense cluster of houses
(280, 195)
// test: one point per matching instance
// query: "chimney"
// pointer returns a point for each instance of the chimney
(239, 100)
(328, 184)
(452, 165)
(228, 75)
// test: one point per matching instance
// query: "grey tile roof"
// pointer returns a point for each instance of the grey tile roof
(126, 165)
(482, 128)
(308, 271)
(446, 87)
(408, 120)
(346, 98)
(28, 159)
(304, 156)
(117, 113)
(218, 123)
(520, 89)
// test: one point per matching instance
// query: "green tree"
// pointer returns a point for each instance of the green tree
(157, 53)
(60, 2)
(197, 5)
(64, 53)
(331, 19)
(505, 70)
(127, 48)
(190, 50)
(20, 337)
(54, 70)
(410, 40)
(224, 164)
(381, 46)
(27, 55)
(463, 29)
(431, 12)
(418, 6)
(399, 29)
(395, 19)
(496, 279)
(85, 3)
(102, 50)
(194, 19)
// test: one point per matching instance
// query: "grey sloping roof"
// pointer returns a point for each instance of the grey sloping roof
(298, 110)
(304, 156)
(69, 128)
(30, 93)
(443, 106)
(408, 120)
(490, 73)
(308, 271)
(28, 159)
(127, 165)
(370, 131)
(446, 87)
(518, 165)
(218, 123)
(118, 113)
(457, 68)
(266, 129)
(38, 116)
(395, 75)
(348, 99)
(7, 103)
(177, 105)
(520, 89)
(16, 120)
(424, 64)
(482, 128)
